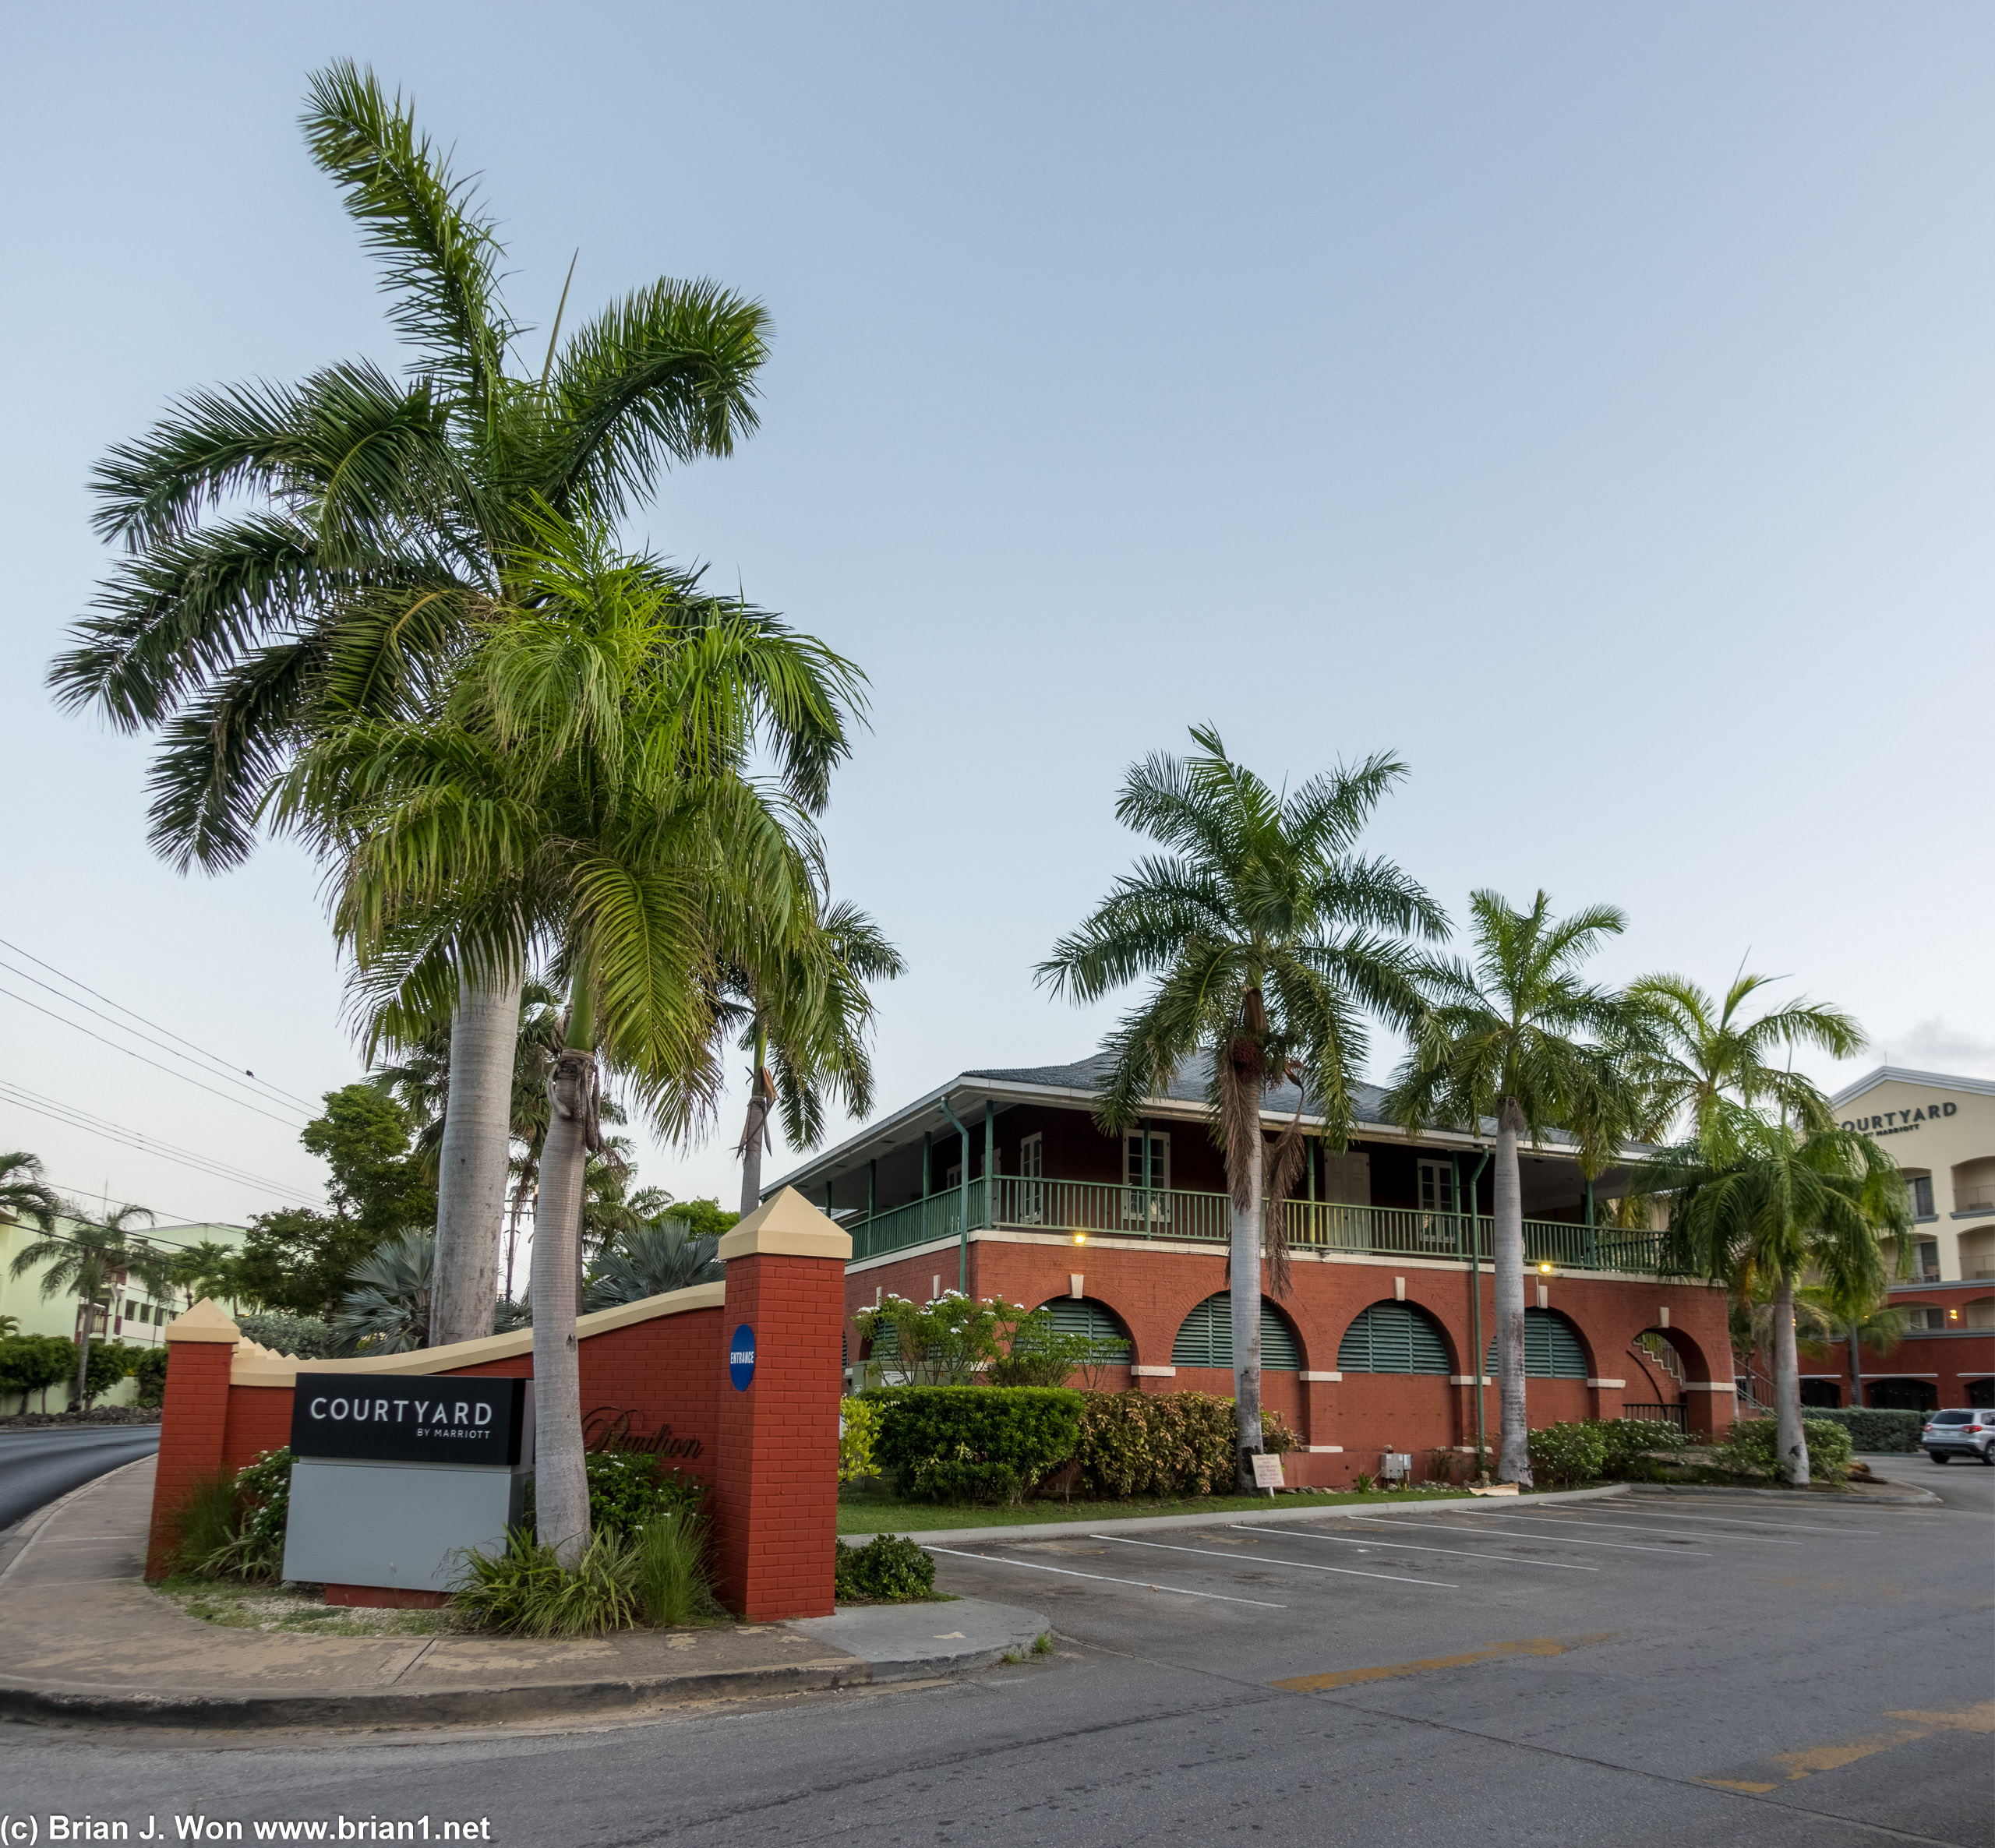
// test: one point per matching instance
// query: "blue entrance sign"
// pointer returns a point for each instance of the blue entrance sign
(741, 1357)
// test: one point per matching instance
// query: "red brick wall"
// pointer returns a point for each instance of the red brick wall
(191, 1430)
(1153, 1290)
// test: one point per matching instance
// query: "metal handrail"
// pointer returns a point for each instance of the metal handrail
(1108, 1209)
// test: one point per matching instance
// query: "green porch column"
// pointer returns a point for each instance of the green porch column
(927, 1172)
(990, 1161)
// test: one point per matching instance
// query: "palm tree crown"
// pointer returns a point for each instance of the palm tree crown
(1704, 1063)
(333, 541)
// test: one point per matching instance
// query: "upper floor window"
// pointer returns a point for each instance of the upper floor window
(1437, 1187)
(1132, 1159)
(1921, 1187)
(1031, 1156)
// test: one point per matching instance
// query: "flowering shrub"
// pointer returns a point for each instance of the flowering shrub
(1754, 1446)
(1567, 1453)
(947, 1341)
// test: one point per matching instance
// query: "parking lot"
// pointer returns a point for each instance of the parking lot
(1658, 1668)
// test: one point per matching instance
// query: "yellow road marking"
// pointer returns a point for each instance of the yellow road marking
(1979, 1717)
(1351, 1677)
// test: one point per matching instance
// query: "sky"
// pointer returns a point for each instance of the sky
(1589, 405)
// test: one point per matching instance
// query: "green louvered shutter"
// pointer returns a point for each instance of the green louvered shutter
(1095, 1321)
(886, 1342)
(1551, 1350)
(1205, 1339)
(1393, 1338)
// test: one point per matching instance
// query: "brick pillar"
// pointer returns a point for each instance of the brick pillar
(776, 1473)
(200, 1350)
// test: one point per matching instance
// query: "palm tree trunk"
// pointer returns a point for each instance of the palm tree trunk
(83, 1355)
(1513, 1454)
(561, 1483)
(752, 1156)
(1247, 1315)
(1789, 1438)
(1856, 1368)
(471, 1185)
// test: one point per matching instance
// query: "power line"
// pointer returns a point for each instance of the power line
(144, 1060)
(91, 1124)
(167, 1218)
(228, 1077)
(215, 1059)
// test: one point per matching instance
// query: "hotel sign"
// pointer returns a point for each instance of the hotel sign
(382, 1418)
(1895, 1123)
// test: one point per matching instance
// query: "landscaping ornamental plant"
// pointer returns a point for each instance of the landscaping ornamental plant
(888, 1569)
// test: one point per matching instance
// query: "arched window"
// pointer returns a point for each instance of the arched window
(1393, 1338)
(1553, 1348)
(1206, 1338)
(1096, 1322)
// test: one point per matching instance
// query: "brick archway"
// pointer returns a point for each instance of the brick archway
(1675, 1386)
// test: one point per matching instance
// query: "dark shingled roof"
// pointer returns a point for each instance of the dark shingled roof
(1188, 1084)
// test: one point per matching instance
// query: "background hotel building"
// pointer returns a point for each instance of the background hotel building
(1941, 1131)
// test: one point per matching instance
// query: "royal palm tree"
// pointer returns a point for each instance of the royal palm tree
(85, 1259)
(1517, 1034)
(1777, 1203)
(332, 543)
(1267, 939)
(808, 1011)
(581, 800)
(1704, 1061)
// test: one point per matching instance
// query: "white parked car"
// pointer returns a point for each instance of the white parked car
(1960, 1434)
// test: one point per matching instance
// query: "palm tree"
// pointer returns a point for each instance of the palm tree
(331, 544)
(1777, 1203)
(1703, 1062)
(655, 1257)
(1268, 940)
(1823, 1317)
(205, 1269)
(85, 1259)
(387, 1309)
(811, 1012)
(581, 797)
(1518, 1035)
(24, 1196)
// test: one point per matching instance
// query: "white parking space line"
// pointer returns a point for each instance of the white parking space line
(1346, 1539)
(1861, 1533)
(1296, 1565)
(1750, 1539)
(1142, 1584)
(1564, 1540)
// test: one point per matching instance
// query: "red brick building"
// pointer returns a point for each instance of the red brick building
(1000, 1183)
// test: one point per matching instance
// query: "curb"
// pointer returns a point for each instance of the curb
(1151, 1523)
(1905, 1496)
(444, 1706)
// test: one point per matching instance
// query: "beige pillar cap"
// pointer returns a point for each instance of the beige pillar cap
(786, 1226)
(206, 1322)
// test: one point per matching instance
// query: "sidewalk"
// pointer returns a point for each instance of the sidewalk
(82, 1638)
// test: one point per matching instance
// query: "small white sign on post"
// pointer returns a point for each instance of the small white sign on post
(1267, 1474)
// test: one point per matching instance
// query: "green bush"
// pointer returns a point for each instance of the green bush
(887, 1569)
(859, 1432)
(205, 1525)
(32, 1364)
(151, 1375)
(628, 1489)
(1564, 1454)
(264, 1491)
(1160, 1443)
(1754, 1446)
(1630, 1442)
(305, 1337)
(524, 1588)
(110, 1362)
(974, 1443)
(1873, 1428)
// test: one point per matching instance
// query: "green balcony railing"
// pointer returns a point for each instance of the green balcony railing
(1101, 1208)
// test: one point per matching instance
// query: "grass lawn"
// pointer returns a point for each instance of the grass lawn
(867, 1510)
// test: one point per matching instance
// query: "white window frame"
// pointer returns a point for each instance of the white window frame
(1444, 1171)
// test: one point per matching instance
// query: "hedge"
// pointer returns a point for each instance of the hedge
(1871, 1427)
(973, 1442)
(1165, 1443)
(1755, 1445)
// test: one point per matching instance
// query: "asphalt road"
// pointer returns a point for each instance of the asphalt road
(45, 1461)
(1655, 1670)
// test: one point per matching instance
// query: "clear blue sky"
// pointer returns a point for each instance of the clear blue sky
(1591, 404)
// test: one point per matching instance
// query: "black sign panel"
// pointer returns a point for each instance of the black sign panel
(404, 1418)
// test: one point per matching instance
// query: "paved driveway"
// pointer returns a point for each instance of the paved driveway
(1655, 1669)
(45, 1461)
